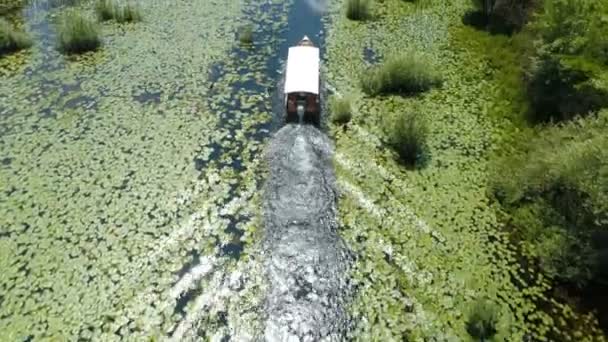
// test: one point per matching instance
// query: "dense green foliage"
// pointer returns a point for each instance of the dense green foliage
(106, 9)
(406, 74)
(340, 109)
(504, 16)
(569, 76)
(77, 34)
(551, 179)
(438, 218)
(483, 320)
(112, 10)
(7, 6)
(12, 40)
(407, 134)
(246, 35)
(357, 9)
(556, 190)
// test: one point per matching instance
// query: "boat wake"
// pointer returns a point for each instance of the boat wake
(306, 260)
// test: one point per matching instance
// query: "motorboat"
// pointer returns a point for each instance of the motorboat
(302, 85)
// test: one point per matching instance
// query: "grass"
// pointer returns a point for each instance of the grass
(106, 9)
(482, 321)
(112, 10)
(12, 40)
(77, 34)
(129, 13)
(404, 74)
(340, 110)
(246, 35)
(9, 6)
(407, 134)
(357, 9)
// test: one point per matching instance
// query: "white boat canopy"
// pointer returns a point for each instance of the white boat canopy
(302, 74)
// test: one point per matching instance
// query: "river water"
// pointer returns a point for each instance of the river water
(133, 186)
(306, 260)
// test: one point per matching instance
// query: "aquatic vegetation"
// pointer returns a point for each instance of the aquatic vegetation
(113, 10)
(408, 73)
(502, 16)
(431, 242)
(77, 34)
(568, 75)
(127, 196)
(357, 9)
(482, 321)
(12, 40)
(407, 133)
(8, 6)
(246, 35)
(552, 195)
(340, 109)
(106, 9)
(129, 13)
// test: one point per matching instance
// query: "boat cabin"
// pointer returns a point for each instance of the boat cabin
(302, 83)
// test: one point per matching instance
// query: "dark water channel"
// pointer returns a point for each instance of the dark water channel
(306, 260)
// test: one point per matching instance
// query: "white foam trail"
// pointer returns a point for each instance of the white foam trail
(211, 300)
(319, 6)
(364, 202)
(189, 279)
(373, 209)
(414, 274)
(332, 90)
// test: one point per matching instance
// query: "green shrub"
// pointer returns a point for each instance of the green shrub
(106, 9)
(561, 252)
(569, 75)
(575, 27)
(503, 16)
(246, 35)
(405, 74)
(562, 87)
(8, 6)
(357, 9)
(77, 34)
(11, 40)
(129, 13)
(554, 190)
(112, 10)
(482, 321)
(407, 134)
(340, 110)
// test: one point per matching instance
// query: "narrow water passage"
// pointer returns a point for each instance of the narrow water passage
(306, 261)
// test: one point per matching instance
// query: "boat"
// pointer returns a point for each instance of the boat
(302, 103)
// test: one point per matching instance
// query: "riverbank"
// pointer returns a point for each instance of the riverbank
(433, 257)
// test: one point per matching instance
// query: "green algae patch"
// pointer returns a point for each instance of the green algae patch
(429, 242)
(101, 198)
(112, 10)
(132, 177)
